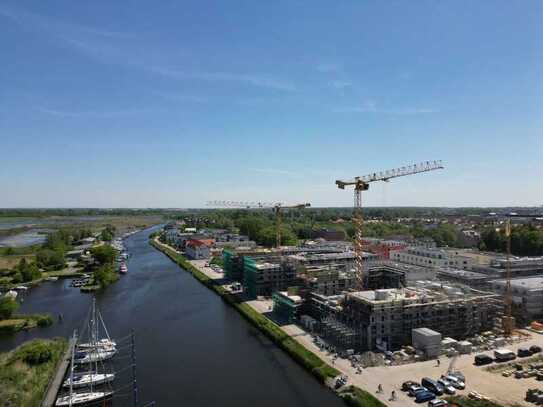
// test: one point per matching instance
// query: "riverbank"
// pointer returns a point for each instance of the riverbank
(24, 322)
(26, 371)
(307, 359)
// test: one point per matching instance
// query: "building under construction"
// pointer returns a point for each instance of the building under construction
(383, 319)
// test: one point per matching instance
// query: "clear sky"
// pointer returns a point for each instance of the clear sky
(173, 103)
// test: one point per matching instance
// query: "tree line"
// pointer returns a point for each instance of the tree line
(525, 240)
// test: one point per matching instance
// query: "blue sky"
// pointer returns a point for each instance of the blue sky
(174, 103)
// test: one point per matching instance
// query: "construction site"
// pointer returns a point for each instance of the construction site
(361, 301)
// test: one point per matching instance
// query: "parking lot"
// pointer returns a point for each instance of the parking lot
(504, 390)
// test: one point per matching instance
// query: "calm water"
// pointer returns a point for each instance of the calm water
(192, 349)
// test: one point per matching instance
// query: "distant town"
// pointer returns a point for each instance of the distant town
(440, 305)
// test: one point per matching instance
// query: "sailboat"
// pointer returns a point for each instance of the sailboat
(91, 353)
(82, 398)
(95, 342)
(94, 355)
(86, 379)
(80, 380)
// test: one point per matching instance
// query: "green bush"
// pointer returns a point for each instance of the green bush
(50, 259)
(7, 307)
(44, 320)
(34, 352)
(104, 254)
(356, 397)
(105, 275)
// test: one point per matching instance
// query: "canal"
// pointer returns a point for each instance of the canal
(191, 348)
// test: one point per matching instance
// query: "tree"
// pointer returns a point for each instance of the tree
(106, 235)
(105, 275)
(104, 254)
(7, 307)
(28, 271)
(50, 259)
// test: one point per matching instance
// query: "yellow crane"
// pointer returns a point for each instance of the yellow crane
(362, 184)
(508, 320)
(277, 209)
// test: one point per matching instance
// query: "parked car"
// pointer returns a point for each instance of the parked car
(438, 403)
(432, 385)
(504, 355)
(448, 388)
(523, 352)
(423, 396)
(459, 375)
(483, 359)
(406, 385)
(413, 390)
(455, 382)
(535, 349)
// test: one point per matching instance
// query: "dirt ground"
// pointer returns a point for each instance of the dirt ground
(504, 390)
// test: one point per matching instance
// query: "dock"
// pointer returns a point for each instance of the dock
(56, 383)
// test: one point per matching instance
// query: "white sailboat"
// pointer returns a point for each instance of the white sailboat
(90, 379)
(105, 343)
(75, 399)
(92, 356)
(87, 379)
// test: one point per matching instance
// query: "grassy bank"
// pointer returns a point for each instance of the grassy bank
(25, 372)
(303, 356)
(20, 322)
(462, 401)
(356, 397)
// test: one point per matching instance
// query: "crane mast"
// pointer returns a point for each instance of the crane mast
(277, 210)
(361, 184)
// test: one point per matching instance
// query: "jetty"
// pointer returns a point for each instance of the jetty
(55, 384)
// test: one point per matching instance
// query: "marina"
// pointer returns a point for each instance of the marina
(182, 331)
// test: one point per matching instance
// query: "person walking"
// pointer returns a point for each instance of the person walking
(380, 388)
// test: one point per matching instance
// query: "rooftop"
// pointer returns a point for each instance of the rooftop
(530, 283)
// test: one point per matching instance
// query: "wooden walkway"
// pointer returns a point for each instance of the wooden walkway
(56, 383)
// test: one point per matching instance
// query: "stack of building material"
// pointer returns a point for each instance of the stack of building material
(427, 341)
(449, 343)
(464, 347)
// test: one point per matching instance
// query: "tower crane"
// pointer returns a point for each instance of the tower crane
(277, 209)
(362, 184)
(508, 320)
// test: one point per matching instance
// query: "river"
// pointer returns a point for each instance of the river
(192, 349)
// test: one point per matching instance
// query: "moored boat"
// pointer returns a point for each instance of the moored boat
(105, 343)
(75, 399)
(123, 269)
(89, 379)
(92, 356)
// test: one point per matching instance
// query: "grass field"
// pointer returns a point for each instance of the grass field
(9, 262)
(23, 381)
(356, 397)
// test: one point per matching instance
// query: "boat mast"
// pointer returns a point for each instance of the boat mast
(134, 382)
(103, 324)
(72, 368)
